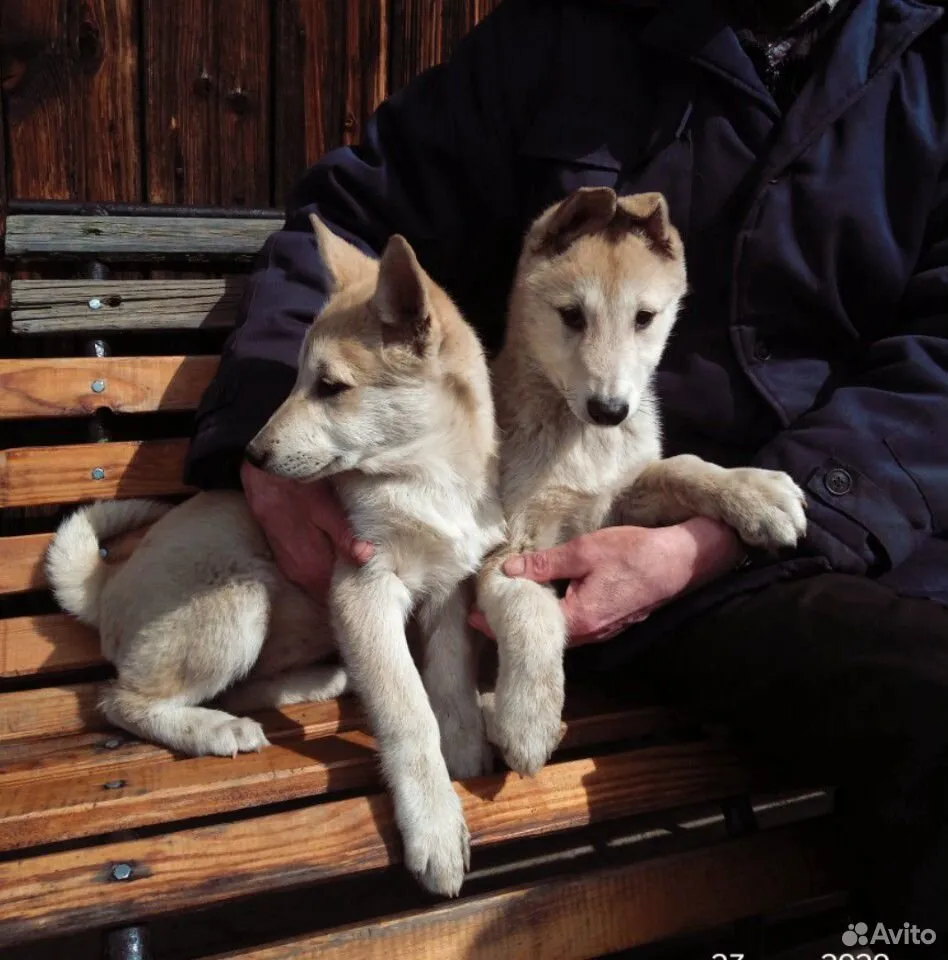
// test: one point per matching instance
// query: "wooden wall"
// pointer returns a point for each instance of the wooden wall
(203, 102)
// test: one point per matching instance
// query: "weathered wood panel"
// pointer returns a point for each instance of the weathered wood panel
(242, 101)
(31, 476)
(329, 75)
(130, 237)
(594, 915)
(54, 306)
(48, 712)
(62, 892)
(71, 81)
(75, 387)
(47, 644)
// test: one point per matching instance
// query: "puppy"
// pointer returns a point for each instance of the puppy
(393, 402)
(595, 297)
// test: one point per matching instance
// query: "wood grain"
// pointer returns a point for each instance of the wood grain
(76, 387)
(425, 33)
(71, 79)
(116, 237)
(242, 102)
(47, 712)
(30, 476)
(63, 892)
(21, 562)
(330, 74)
(46, 644)
(597, 914)
(52, 791)
(54, 306)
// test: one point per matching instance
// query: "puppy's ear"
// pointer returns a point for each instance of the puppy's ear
(401, 298)
(345, 263)
(647, 214)
(586, 211)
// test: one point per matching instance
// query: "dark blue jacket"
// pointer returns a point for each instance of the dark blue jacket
(815, 337)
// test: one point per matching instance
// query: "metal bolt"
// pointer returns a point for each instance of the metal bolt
(98, 473)
(98, 386)
(95, 303)
(114, 785)
(121, 871)
(113, 743)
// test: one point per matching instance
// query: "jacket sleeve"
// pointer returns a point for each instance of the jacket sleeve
(436, 164)
(873, 458)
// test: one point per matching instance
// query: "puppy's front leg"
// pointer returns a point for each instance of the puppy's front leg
(525, 719)
(369, 607)
(765, 507)
(450, 675)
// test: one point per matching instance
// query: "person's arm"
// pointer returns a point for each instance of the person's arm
(437, 165)
(873, 457)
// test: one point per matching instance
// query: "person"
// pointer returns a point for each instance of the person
(802, 147)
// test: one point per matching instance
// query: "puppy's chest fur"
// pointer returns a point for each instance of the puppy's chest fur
(560, 477)
(431, 533)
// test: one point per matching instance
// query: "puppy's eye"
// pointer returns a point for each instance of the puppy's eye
(643, 319)
(573, 317)
(329, 388)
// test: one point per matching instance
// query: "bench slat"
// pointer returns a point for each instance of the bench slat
(21, 562)
(52, 235)
(78, 386)
(53, 796)
(46, 644)
(32, 476)
(60, 306)
(63, 892)
(48, 712)
(594, 915)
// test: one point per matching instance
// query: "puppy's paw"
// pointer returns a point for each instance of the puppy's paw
(765, 507)
(233, 736)
(437, 843)
(525, 721)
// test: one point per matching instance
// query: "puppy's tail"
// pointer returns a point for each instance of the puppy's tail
(74, 564)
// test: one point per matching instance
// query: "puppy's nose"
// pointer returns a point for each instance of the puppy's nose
(255, 457)
(607, 411)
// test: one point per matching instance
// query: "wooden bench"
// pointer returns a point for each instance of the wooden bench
(640, 829)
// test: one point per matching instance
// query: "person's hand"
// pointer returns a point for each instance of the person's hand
(619, 575)
(305, 526)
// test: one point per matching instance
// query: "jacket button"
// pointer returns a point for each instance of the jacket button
(838, 481)
(762, 351)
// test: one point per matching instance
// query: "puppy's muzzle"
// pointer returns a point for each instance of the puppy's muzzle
(256, 458)
(607, 411)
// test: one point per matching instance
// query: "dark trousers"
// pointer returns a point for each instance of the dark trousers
(836, 680)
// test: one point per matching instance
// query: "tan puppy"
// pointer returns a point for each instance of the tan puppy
(595, 297)
(393, 401)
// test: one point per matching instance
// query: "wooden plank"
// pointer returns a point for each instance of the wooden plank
(47, 644)
(21, 563)
(36, 88)
(104, 99)
(425, 33)
(330, 74)
(53, 792)
(72, 85)
(76, 387)
(242, 102)
(181, 82)
(48, 712)
(30, 476)
(62, 892)
(598, 913)
(117, 237)
(54, 306)
(61, 712)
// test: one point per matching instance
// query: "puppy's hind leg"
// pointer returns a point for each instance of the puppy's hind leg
(304, 685)
(175, 723)
(450, 677)
(525, 718)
